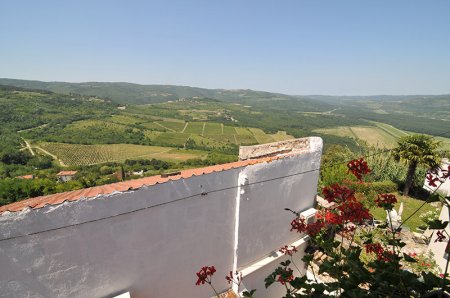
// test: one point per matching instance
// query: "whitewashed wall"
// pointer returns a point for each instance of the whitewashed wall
(155, 252)
(438, 248)
(444, 188)
(264, 225)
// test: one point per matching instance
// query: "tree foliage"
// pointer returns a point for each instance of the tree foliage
(415, 150)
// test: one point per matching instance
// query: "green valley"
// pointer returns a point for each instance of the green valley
(102, 129)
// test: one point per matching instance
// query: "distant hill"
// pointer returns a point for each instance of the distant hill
(396, 110)
(429, 106)
(128, 93)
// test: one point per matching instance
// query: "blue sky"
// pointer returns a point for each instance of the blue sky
(295, 47)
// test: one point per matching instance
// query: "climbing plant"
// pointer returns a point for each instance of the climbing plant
(359, 260)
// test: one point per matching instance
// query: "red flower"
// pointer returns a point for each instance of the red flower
(337, 193)
(300, 226)
(332, 218)
(375, 248)
(234, 278)
(433, 176)
(354, 212)
(388, 256)
(440, 237)
(288, 251)
(358, 167)
(431, 180)
(382, 255)
(205, 274)
(314, 228)
(445, 173)
(286, 276)
(386, 201)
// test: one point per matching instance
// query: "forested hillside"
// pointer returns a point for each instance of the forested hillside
(141, 94)
(418, 113)
(96, 130)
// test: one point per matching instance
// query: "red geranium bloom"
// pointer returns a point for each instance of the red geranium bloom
(314, 228)
(431, 180)
(298, 224)
(234, 278)
(333, 218)
(301, 226)
(205, 274)
(440, 237)
(445, 173)
(354, 212)
(375, 248)
(286, 276)
(358, 167)
(386, 201)
(288, 251)
(337, 193)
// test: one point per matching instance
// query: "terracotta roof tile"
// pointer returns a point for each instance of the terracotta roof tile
(66, 173)
(26, 177)
(75, 195)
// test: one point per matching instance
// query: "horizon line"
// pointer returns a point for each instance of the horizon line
(232, 89)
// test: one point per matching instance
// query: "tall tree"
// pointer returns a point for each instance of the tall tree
(415, 150)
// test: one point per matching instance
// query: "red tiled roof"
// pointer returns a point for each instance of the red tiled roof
(66, 173)
(26, 177)
(74, 195)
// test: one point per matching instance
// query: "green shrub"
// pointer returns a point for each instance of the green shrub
(384, 187)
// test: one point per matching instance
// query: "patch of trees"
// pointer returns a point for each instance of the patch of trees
(91, 135)
(13, 156)
(225, 149)
(148, 164)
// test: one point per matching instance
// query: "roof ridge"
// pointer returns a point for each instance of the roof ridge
(91, 192)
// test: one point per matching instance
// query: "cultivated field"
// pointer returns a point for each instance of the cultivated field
(74, 154)
(174, 126)
(381, 135)
(261, 136)
(172, 138)
(164, 134)
(175, 132)
(374, 136)
(195, 127)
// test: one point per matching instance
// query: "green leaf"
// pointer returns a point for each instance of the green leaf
(269, 280)
(431, 280)
(249, 294)
(299, 282)
(437, 224)
(409, 259)
(433, 198)
(396, 242)
(335, 244)
(307, 258)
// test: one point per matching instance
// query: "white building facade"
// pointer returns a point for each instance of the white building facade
(150, 236)
(439, 248)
